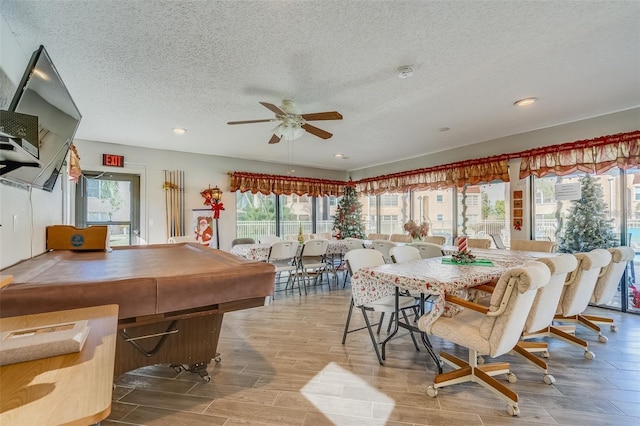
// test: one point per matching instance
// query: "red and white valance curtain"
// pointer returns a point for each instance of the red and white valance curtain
(285, 185)
(457, 174)
(594, 156)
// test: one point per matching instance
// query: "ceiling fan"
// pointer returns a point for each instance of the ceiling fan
(293, 123)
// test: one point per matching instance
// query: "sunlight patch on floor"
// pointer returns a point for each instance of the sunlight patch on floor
(328, 407)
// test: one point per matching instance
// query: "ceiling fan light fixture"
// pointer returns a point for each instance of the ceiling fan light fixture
(288, 132)
(525, 101)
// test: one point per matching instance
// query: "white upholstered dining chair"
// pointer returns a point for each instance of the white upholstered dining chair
(606, 286)
(575, 297)
(492, 331)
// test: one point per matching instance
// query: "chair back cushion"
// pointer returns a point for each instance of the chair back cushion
(577, 293)
(607, 284)
(400, 238)
(548, 297)
(377, 237)
(401, 254)
(482, 243)
(531, 245)
(435, 239)
(503, 331)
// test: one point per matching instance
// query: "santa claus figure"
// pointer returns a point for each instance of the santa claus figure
(204, 233)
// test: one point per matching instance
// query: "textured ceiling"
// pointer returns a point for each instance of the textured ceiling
(137, 69)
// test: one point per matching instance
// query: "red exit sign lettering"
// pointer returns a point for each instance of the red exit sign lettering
(113, 160)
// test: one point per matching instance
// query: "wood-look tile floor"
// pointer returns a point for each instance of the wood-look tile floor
(284, 364)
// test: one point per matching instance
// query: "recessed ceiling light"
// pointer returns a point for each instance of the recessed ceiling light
(179, 131)
(443, 129)
(525, 101)
(405, 72)
(341, 156)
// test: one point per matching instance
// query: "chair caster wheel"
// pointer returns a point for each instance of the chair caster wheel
(549, 379)
(602, 339)
(511, 378)
(217, 359)
(178, 368)
(614, 328)
(432, 392)
(480, 360)
(513, 410)
(589, 355)
(206, 379)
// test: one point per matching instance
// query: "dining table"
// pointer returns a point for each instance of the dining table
(260, 252)
(435, 277)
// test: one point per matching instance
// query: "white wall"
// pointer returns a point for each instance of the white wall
(620, 122)
(201, 171)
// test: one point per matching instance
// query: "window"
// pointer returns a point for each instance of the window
(255, 215)
(436, 208)
(389, 200)
(486, 210)
(325, 210)
(113, 200)
(637, 193)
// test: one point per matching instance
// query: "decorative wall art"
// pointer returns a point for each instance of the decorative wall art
(517, 203)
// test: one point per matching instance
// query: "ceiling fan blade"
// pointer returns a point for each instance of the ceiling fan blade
(273, 108)
(316, 131)
(251, 121)
(329, 115)
(274, 139)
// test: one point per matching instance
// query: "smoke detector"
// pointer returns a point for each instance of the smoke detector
(405, 72)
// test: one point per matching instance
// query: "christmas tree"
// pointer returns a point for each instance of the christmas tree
(348, 220)
(587, 225)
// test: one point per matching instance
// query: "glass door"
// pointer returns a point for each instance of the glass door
(111, 199)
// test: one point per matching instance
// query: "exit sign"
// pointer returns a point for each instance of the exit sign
(113, 160)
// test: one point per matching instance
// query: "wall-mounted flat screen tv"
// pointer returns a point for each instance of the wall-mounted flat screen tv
(42, 93)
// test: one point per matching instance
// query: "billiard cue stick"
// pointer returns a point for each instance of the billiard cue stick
(166, 204)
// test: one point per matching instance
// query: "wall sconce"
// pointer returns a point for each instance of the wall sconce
(216, 194)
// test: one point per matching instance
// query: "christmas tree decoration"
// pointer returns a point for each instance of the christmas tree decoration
(588, 226)
(347, 221)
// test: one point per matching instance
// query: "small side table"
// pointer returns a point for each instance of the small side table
(71, 389)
